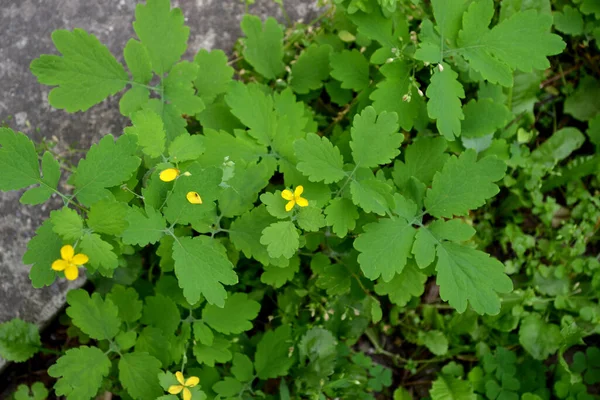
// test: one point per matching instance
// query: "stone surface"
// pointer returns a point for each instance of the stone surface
(26, 29)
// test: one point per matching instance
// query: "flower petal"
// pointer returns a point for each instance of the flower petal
(80, 259)
(187, 395)
(287, 194)
(298, 191)
(169, 174)
(290, 205)
(67, 252)
(302, 202)
(194, 198)
(175, 389)
(71, 272)
(192, 381)
(179, 377)
(59, 265)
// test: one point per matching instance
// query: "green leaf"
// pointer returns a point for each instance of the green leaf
(590, 6)
(179, 89)
(108, 217)
(276, 276)
(134, 100)
(422, 159)
(448, 17)
(149, 130)
(138, 374)
(569, 21)
(310, 218)
(242, 367)
(351, 68)
(202, 268)
(484, 116)
(234, 316)
(242, 189)
(245, 234)
(95, 317)
(375, 138)
(38, 391)
(318, 159)
(163, 33)
(445, 92)
(582, 104)
(341, 216)
(127, 301)
(19, 340)
(273, 358)
(144, 228)
(318, 348)
(372, 195)
(85, 74)
(311, 68)
(107, 163)
(100, 253)
(450, 388)
(403, 286)
(186, 148)
(263, 45)
(162, 312)
(464, 274)
(42, 250)
(435, 341)
(80, 372)
(67, 223)
(19, 168)
(138, 61)
(384, 247)
(215, 74)
(593, 131)
(254, 109)
(521, 42)
(203, 333)
(281, 239)
(228, 387)
(539, 338)
(275, 204)
(154, 342)
(333, 278)
(218, 352)
(558, 147)
(464, 184)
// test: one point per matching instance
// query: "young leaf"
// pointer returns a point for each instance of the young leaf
(143, 230)
(67, 223)
(215, 74)
(127, 301)
(85, 74)
(149, 130)
(384, 247)
(273, 358)
(341, 216)
(445, 92)
(311, 68)
(138, 373)
(202, 268)
(95, 317)
(80, 372)
(264, 45)
(19, 168)
(138, 61)
(108, 217)
(101, 253)
(234, 317)
(275, 204)
(19, 340)
(403, 286)
(38, 392)
(107, 163)
(42, 250)
(281, 239)
(351, 68)
(464, 274)
(375, 138)
(463, 185)
(163, 33)
(319, 159)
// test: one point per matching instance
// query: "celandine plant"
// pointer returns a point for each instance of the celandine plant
(255, 237)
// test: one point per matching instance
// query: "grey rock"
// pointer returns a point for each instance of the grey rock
(26, 29)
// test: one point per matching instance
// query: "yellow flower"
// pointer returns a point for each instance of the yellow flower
(194, 198)
(294, 198)
(184, 385)
(169, 174)
(69, 262)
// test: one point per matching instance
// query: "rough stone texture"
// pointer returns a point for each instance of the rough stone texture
(26, 28)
